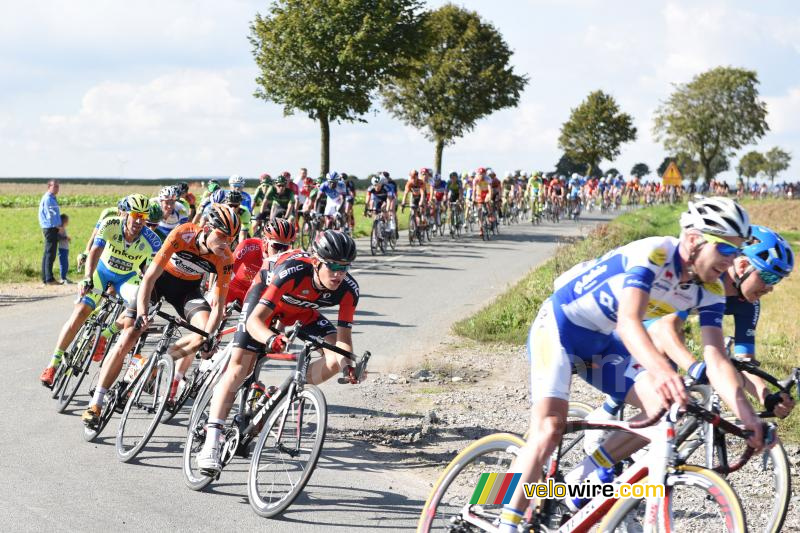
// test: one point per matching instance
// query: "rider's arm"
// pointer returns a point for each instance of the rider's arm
(90, 242)
(667, 334)
(91, 261)
(148, 281)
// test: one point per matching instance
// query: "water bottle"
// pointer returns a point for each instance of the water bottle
(137, 364)
(256, 391)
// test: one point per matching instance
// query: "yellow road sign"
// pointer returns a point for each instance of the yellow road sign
(672, 176)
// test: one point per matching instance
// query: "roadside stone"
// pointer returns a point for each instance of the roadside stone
(456, 379)
(392, 377)
(432, 418)
(422, 373)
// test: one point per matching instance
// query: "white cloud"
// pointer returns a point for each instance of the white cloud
(784, 112)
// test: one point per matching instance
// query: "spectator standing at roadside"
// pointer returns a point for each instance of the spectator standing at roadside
(63, 250)
(49, 221)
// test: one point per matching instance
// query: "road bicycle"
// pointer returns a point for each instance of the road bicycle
(692, 496)
(382, 234)
(455, 219)
(484, 224)
(288, 424)
(312, 224)
(149, 397)
(415, 233)
(78, 358)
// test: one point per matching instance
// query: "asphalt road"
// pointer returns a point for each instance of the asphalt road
(54, 480)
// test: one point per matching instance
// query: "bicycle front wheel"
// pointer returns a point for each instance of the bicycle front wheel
(195, 439)
(78, 362)
(454, 489)
(287, 452)
(695, 500)
(145, 407)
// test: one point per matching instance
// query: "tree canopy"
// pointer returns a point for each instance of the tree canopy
(640, 170)
(595, 130)
(751, 164)
(718, 112)
(327, 58)
(462, 75)
(776, 160)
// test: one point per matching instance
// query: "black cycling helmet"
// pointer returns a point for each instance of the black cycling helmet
(183, 187)
(335, 246)
(234, 197)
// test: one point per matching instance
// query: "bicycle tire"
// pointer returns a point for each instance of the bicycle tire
(412, 229)
(374, 243)
(716, 488)
(112, 398)
(164, 366)
(312, 394)
(63, 365)
(81, 360)
(195, 438)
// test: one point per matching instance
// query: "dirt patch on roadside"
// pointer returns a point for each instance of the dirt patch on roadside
(13, 293)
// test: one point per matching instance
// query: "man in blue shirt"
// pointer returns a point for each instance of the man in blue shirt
(49, 221)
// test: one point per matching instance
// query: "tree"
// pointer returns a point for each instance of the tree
(716, 113)
(327, 58)
(640, 170)
(776, 161)
(751, 165)
(463, 75)
(595, 130)
(611, 172)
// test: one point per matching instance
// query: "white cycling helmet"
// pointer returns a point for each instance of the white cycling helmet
(718, 216)
(236, 181)
(375, 180)
(168, 193)
(509, 174)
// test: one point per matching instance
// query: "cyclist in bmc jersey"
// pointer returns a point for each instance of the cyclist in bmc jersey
(174, 212)
(188, 253)
(121, 246)
(594, 321)
(298, 286)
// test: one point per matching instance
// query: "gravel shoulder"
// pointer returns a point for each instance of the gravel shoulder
(420, 417)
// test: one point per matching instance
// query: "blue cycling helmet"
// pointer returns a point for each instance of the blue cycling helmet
(771, 252)
(332, 176)
(219, 196)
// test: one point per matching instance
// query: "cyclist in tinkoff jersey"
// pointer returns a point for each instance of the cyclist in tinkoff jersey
(108, 212)
(121, 245)
(594, 322)
(298, 286)
(176, 273)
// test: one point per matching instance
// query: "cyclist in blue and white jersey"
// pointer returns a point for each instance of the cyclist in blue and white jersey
(334, 192)
(175, 213)
(236, 183)
(594, 322)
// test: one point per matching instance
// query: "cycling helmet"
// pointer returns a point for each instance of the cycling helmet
(122, 205)
(453, 174)
(234, 197)
(384, 180)
(509, 174)
(280, 230)
(168, 193)
(334, 246)
(437, 177)
(769, 252)
(280, 180)
(137, 203)
(183, 187)
(424, 170)
(331, 176)
(223, 218)
(375, 180)
(219, 196)
(384, 174)
(264, 177)
(320, 180)
(718, 216)
(212, 185)
(155, 214)
(481, 170)
(286, 174)
(236, 182)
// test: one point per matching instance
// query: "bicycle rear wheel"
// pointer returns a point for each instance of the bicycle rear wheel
(695, 499)
(287, 452)
(79, 362)
(195, 438)
(145, 407)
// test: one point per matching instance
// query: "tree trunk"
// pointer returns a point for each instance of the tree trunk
(325, 143)
(707, 171)
(437, 162)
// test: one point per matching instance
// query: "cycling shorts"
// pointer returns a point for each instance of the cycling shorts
(556, 348)
(182, 294)
(125, 285)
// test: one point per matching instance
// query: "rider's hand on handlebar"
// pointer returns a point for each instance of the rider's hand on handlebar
(277, 343)
(86, 285)
(207, 347)
(349, 373)
(670, 388)
(142, 321)
(784, 407)
(756, 427)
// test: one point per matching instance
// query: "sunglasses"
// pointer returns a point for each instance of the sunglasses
(279, 246)
(337, 267)
(769, 278)
(138, 216)
(725, 248)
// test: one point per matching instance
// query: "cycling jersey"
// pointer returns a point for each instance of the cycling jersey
(508, 184)
(745, 320)
(120, 260)
(453, 190)
(181, 258)
(392, 186)
(179, 215)
(247, 201)
(261, 193)
(417, 190)
(350, 190)
(439, 190)
(281, 199)
(247, 260)
(378, 197)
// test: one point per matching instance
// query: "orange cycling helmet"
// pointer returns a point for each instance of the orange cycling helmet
(279, 230)
(223, 218)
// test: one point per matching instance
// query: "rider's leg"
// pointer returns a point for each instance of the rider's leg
(68, 331)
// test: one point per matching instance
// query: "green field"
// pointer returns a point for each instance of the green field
(22, 243)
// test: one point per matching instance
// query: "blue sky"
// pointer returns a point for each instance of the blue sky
(164, 88)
